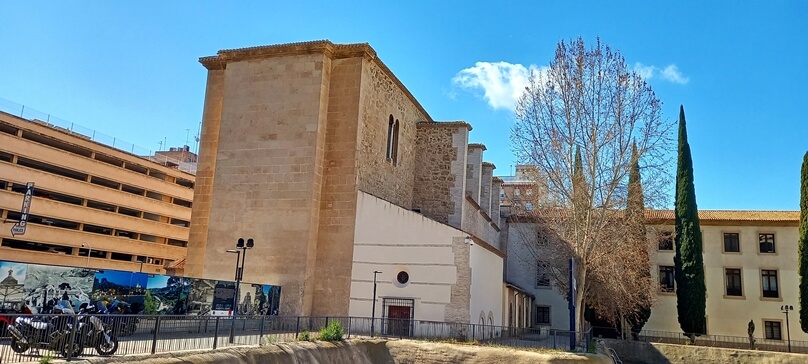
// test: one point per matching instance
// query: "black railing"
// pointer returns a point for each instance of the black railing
(140, 334)
(723, 341)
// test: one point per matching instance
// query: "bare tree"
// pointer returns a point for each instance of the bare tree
(576, 122)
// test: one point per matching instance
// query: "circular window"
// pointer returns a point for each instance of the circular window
(403, 277)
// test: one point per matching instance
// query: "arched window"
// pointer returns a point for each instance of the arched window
(392, 140)
(395, 143)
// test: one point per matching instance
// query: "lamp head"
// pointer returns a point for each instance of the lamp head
(240, 243)
(250, 243)
(376, 271)
(232, 251)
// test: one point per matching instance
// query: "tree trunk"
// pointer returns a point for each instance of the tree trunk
(579, 302)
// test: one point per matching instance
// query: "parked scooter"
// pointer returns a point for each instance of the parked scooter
(93, 333)
(52, 333)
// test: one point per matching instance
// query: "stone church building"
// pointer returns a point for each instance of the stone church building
(319, 153)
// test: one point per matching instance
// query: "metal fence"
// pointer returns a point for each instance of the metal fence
(156, 334)
(724, 341)
(51, 121)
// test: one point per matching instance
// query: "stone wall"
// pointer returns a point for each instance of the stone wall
(269, 173)
(205, 173)
(332, 278)
(496, 185)
(458, 308)
(381, 97)
(474, 171)
(357, 352)
(440, 171)
(486, 192)
(635, 352)
(478, 223)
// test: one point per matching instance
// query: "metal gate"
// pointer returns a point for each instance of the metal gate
(397, 316)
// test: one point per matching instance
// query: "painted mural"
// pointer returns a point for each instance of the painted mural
(42, 287)
(12, 285)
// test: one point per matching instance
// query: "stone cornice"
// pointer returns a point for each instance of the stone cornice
(489, 164)
(325, 47)
(444, 124)
(477, 145)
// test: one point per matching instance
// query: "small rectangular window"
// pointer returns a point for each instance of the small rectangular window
(769, 278)
(665, 239)
(732, 243)
(666, 281)
(734, 287)
(773, 330)
(542, 315)
(766, 243)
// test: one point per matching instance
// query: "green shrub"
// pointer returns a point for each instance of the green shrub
(332, 332)
(45, 359)
(268, 340)
(304, 336)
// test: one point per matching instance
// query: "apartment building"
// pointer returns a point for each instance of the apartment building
(522, 191)
(92, 205)
(750, 270)
(750, 266)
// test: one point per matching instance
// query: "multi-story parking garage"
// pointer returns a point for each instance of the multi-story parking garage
(93, 205)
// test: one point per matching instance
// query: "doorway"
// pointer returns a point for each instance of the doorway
(398, 316)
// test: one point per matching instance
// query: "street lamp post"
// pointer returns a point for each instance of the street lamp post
(786, 309)
(240, 258)
(89, 251)
(373, 310)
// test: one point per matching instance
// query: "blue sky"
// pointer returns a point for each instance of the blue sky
(130, 70)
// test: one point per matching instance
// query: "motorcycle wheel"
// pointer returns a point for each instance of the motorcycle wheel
(65, 349)
(17, 346)
(107, 349)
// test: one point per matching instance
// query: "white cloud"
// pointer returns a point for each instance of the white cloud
(672, 74)
(502, 82)
(644, 71)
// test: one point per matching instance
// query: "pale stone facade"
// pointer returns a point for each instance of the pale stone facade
(294, 137)
(751, 270)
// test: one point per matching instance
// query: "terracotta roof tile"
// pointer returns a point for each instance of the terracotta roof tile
(730, 215)
(704, 215)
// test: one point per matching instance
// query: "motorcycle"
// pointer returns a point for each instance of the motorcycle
(52, 333)
(93, 333)
(120, 316)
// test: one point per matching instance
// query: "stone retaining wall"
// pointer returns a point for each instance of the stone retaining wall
(635, 352)
(358, 352)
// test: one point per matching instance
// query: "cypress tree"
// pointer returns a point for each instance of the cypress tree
(691, 292)
(635, 221)
(803, 245)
